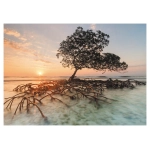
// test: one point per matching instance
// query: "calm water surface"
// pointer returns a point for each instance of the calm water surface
(130, 109)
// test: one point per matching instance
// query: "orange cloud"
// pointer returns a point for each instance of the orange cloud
(22, 47)
(22, 38)
(14, 33)
(11, 32)
(42, 60)
(14, 45)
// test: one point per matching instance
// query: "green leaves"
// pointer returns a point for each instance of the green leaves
(83, 49)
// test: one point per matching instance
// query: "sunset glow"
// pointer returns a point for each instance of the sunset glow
(28, 47)
(40, 73)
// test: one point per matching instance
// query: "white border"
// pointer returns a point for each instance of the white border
(70, 137)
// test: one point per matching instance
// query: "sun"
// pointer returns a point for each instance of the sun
(40, 73)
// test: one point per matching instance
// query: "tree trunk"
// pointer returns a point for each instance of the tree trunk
(72, 77)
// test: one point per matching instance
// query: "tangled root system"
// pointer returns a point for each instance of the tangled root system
(33, 94)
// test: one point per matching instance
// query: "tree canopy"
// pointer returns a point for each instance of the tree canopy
(83, 49)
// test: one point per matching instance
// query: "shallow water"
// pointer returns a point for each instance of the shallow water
(129, 109)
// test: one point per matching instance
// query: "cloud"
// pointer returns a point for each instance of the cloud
(39, 47)
(14, 33)
(138, 65)
(15, 45)
(42, 60)
(22, 47)
(22, 38)
(93, 26)
(11, 32)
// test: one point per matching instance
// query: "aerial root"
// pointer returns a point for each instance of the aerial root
(93, 90)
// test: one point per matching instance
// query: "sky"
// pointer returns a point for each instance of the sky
(30, 49)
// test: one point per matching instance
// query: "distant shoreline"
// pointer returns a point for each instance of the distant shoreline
(30, 79)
